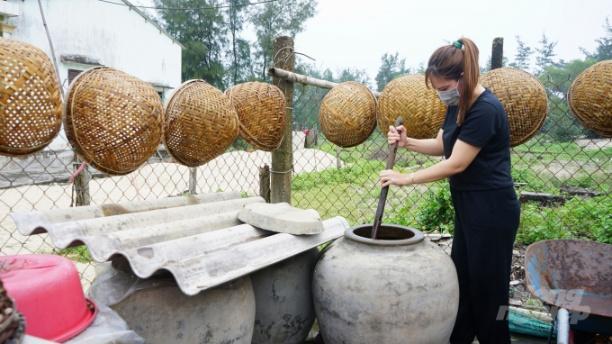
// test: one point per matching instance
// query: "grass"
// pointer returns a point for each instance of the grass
(538, 166)
(589, 219)
(77, 253)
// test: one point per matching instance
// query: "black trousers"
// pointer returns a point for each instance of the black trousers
(485, 227)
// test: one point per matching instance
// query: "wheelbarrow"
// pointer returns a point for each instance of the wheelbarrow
(574, 279)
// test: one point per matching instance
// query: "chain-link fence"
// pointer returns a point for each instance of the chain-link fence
(562, 175)
(568, 167)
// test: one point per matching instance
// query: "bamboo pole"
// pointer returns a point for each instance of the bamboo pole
(304, 79)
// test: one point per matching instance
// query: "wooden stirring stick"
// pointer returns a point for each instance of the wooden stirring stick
(383, 193)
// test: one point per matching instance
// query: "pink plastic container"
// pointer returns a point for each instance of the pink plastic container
(47, 291)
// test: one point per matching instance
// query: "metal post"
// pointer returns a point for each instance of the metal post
(282, 158)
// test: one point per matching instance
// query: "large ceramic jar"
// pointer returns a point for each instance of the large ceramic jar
(399, 288)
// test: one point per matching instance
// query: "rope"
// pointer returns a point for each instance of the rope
(282, 172)
(77, 172)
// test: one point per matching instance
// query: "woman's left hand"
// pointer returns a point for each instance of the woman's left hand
(390, 177)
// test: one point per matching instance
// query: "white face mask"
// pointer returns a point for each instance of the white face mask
(449, 97)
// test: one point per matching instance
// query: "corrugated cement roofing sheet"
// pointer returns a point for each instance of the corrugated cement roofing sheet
(198, 239)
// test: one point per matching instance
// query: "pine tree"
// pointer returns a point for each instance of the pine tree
(285, 17)
(523, 55)
(203, 32)
(391, 67)
(546, 53)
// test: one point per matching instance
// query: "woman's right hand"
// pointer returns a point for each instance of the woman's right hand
(397, 134)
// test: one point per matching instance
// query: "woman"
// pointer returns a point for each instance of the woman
(475, 141)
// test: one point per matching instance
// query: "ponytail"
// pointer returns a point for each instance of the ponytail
(471, 74)
(457, 61)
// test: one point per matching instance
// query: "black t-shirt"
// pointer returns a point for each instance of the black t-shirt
(485, 126)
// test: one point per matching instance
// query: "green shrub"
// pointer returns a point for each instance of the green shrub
(437, 213)
(578, 218)
(433, 213)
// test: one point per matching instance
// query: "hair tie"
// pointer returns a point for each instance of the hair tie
(458, 44)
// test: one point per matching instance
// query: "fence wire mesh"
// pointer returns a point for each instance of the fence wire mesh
(564, 160)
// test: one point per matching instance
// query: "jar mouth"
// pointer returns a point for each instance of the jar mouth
(388, 235)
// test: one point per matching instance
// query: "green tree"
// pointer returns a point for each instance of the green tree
(421, 69)
(350, 74)
(237, 13)
(391, 67)
(523, 54)
(560, 124)
(285, 17)
(328, 75)
(307, 99)
(203, 32)
(546, 53)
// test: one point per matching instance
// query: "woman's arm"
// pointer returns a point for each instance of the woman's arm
(462, 156)
(427, 146)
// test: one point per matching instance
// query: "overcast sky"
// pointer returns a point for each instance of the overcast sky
(356, 33)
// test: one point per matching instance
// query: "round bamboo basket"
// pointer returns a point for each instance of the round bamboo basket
(199, 124)
(113, 120)
(420, 107)
(30, 100)
(261, 110)
(348, 114)
(523, 98)
(590, 98)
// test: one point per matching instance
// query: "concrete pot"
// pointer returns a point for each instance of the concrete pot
(399, 288)
(158, 311)
(283, 298)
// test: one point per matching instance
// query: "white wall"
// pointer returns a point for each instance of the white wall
(114, 35)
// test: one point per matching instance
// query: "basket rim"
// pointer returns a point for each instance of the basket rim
(243, 131)
(23, 151)
(526, 137)
(597, 128)
(437, 117)
(70, 129)
(371, 94)
(174, 95)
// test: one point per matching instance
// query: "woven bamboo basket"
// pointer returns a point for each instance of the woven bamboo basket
(420, 107)
(30, 101)
(199, 123)
(590, 98)
(261, 110)
(348, 114)
(113, 120)
(523, 98)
